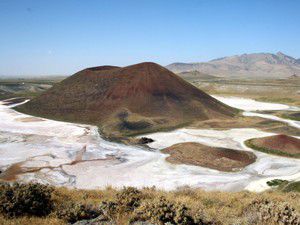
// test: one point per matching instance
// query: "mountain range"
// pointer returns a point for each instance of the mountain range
(256, 65)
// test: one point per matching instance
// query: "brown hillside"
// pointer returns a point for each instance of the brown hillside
(277, 144)
(222, 159)
(280, 142)
(134, 99)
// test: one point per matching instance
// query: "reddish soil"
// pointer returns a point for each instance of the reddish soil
(280, 142)
(222, 159)
(144, 96)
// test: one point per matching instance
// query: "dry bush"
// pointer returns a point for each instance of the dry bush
(162, 211)
(25, 199)
(122, 204)
(26, 220)
(129, 198)
(271, 212)
(73, 212)
(109, 209)
(184, 206)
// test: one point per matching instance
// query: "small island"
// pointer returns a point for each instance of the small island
(282, 145)
(222, 159)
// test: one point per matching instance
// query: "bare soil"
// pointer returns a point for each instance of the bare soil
(277, 144)
(221, 159)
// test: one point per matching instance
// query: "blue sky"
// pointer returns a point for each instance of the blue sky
(64, 36)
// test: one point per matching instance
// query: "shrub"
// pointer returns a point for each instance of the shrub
(162, 211)
(134, 125)
(25, 199)
(263, 211)
(72, 212)
(109, 209)
(145, 140)
(276, 182)
(129, 198)
(201, 219)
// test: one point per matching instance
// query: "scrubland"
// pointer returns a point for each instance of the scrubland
(40, 204)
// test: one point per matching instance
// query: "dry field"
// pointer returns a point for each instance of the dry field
(282, 90)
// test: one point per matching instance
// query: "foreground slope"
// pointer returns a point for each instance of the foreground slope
(257, 65)
(129, 100)
(144, 206)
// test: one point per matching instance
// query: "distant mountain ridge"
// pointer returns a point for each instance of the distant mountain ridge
(257, 65)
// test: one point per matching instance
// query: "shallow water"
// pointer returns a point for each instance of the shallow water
(75, 155)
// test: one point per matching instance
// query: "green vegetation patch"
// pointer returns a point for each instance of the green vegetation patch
(285, 185)
(276, 182)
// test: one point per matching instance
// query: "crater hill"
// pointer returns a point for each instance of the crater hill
(125, 101)
(277, 144)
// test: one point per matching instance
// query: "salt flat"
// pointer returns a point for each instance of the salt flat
(248, 104)
(75, 155)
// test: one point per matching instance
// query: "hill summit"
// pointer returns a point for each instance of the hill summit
(127, 100)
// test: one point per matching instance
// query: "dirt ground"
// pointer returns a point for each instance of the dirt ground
(277, 144)
(222, 159)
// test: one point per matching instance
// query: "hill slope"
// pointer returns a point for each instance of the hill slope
(277, 144)
(257, 65)
(196, 76)
(129, 100)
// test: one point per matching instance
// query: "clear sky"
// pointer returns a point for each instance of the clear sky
(64, 36)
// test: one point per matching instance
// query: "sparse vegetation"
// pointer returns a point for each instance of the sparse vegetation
(25, 199)
(72, 212)
(162, 211)
(284, 185)
(129, 198)
(291, 116)
(267, 90)
(274, 99)
(265, 211)
(27, 88)
(129, 205)
(292, 187)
